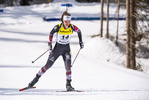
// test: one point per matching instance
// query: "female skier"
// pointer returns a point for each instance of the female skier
(63, 34)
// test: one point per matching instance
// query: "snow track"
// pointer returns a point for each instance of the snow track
(103, 94)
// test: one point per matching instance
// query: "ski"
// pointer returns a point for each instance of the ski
(26, 88)
(71, 91)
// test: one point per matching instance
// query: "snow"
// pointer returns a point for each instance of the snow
(98, 70)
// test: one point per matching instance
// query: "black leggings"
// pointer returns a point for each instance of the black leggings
(59, 49)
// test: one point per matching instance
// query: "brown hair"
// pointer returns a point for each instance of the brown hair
(65, 13)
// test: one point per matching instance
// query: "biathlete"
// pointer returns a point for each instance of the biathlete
(63, 35)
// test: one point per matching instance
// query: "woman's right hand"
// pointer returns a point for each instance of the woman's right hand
(50, 45)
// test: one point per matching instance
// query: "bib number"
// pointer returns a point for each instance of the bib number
(63, 39)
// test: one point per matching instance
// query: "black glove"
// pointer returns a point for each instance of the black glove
(50, 45)
(81, 44)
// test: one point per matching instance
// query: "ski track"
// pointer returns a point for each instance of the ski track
(46, 94)
(15, 91)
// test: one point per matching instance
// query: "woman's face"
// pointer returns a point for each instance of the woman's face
(66, 23)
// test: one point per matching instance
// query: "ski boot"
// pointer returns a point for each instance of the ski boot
(68, 86)
(34, 81)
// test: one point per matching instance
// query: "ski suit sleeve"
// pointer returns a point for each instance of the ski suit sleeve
(76, 29)
(55, 29)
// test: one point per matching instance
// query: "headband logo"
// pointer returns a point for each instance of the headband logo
(67, 18)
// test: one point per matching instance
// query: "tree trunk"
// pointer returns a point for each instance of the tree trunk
(42, 1)
(1, 1)
(101, 19)
(117, 22)
(128, 33)
(11, 2)
(49, 1)
(133, 31)
(24, 2)
(46, 1)
(107, 35)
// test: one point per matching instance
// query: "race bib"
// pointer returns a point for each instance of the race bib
(63, 39)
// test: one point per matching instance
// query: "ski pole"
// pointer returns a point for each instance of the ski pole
(76, 57)
(40, 55)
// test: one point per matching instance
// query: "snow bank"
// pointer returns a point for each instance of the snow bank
(104, 49)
